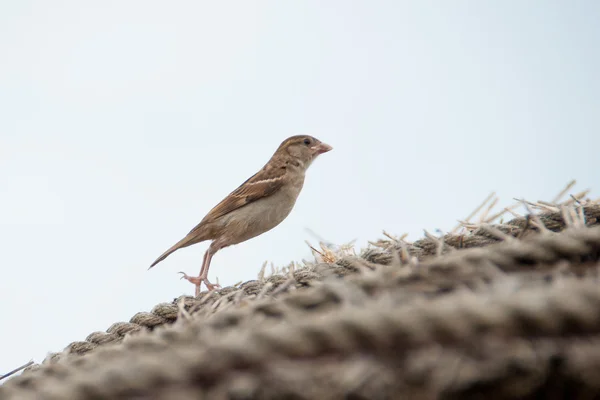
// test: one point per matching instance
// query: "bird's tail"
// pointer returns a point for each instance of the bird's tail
(186, 241)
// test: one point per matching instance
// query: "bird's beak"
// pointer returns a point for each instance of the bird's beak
(321, 148)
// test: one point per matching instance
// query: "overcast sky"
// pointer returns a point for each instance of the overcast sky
(122, 123)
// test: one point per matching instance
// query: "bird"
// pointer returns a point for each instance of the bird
(258, 205)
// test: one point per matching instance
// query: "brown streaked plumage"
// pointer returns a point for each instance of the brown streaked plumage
(258, 205)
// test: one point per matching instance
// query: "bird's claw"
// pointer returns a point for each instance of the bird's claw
(211, 286)
(196, 280)
(199, 280)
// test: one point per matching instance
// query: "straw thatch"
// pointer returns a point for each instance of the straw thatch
(496, 311)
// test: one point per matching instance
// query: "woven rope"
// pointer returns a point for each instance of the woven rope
(370, 332)
(203, 358)
(337, 321)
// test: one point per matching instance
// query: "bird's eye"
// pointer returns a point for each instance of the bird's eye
(307, 141)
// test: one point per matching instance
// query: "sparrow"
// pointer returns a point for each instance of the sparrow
(258, 205)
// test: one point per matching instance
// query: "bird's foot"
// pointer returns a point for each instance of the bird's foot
(211, 286)
(198, 280)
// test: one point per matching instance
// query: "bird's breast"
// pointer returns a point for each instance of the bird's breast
(262, 215)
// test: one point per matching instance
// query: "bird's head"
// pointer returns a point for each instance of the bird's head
(302, 148)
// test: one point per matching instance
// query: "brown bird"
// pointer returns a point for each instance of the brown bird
(258, 205)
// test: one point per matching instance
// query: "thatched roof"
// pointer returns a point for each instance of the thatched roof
(502, 311)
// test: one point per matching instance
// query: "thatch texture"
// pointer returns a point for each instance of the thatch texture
(504, 311)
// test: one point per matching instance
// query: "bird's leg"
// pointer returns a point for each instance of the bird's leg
(202, 278)
(197, 280)
(205, 265)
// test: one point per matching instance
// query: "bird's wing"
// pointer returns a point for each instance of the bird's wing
(264, 183)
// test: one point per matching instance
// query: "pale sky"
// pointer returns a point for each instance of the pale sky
(122, 123)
